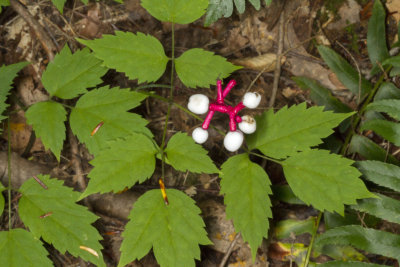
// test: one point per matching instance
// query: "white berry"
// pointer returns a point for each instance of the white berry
(251, 100)
(198, 104)
(233, 140)
(248, 124)
(200, 135)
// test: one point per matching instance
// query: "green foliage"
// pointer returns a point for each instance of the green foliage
(174, 231)
(4, 3)
(139, 56)
(387, 129)
(184, 154)
(47, 119)
(19, 247)
(59, 4)
(394, 61)
(109, 106)
(124, 163)
(176, 11)
(326, 181)
(68, 75)
(349, 264)
(292, 129)
(387, 91)
(381, 173)
(389, 106)
(246, 187)
(53, 215)
(1, 198)
(284, 229)
(197, 67)
(369, 240)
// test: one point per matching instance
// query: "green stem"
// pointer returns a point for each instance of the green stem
(314, 234)
(264, 157)
(152, 86)
(9, 173)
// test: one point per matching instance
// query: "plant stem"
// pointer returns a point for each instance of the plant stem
(152, 86)
(9, 172)
(314, 234)
(264, 157)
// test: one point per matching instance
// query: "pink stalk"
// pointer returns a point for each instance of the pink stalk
(228, 88)
(220, 98)
(207, 120)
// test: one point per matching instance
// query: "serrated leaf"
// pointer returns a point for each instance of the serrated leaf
(126, 162)
(349, 264)
(370, 150)
(383, 174)
(109, 106)
(387, 129)
(139, 56)
(285, 228)
(1, 198)
(389, 106)
(47, 119)
(387, 91)
(246, 187)
(174, 231)
(369, 240)
(326, 181)
(344, 71)
(197, 67)
(7, 75)
(383, 207)
(216, 9)
(345, 253)
(68, 75)
(184, 154)
(53, 215)
(292, 129)
(176, 11)
(59, 4)
(376, 36)
(19, 247)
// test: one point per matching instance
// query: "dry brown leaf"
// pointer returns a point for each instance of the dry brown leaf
(265, 62)
(393, 7)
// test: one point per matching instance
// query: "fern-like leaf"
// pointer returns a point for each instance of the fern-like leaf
(387, 129)
(389, 106)
(174, 231)
(381, 173)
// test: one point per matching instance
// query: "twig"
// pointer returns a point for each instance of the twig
(229, 251)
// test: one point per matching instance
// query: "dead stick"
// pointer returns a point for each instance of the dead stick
(229, 251)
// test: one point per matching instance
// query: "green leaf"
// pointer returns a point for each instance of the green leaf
(246, 187)
(110, 107)
(53, 215)
(4, 3)
(387, 91)
(344, 71)
(387, 129)
(176, 11)
(285, 228)
(7, 75)
(216, 9)
(268, 2)
(394, 61)
(370, 150)
(59, 4)
(285, 194)
(139, 56)
(197, 67)
(240, 5)
(345, 253)
(326, 181)
(292, 129)
(68, 75)
(376, 36)
(1, 198)
(126, 162)
(174, 231)
(256, 4)
(389, 106)
(349, 264)
(369, 240)
(383, 207)
(184, 154)
(383, 174)
(395, 70)
(19, 247)
(47, 119)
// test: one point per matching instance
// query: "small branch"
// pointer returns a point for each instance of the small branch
(314, 234)
(229, 251)
(76, 162)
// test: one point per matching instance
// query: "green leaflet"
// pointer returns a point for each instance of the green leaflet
(285, 194)
(199, 68)
(292, 129)
(19, 247)
(389, 106)
(176, 11)
(109, 106)
(344, 253)
(369, 240)
(126, 162)
(68, 75)
(59, 4)
(387, 129)
(394, 61)
(326, 181)
(47, 119)
(383, 174)
(1, 198)
(383, 207)
(184, 154)
(4, 3)
(376, 36)
(387, 91)
(284, 229)
(246, 187)
(344, 71)
(139, 56)
(174, 231)
(349, 264)
(68, 226)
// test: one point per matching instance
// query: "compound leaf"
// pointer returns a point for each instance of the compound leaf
(326, 181)
(184, 154)
(126, 162)
(293, 129)
(387, 129)
(344, 71)
(246, 187)
(174, 231)
(216, 9)
(349, 264)
(197, 67)
(369, 240)
(389, 106)
(68, 75)
(139, 56)
(54, 215)
(1, 198)
(176, 11)
(47, 119)
(381, 173)
(109, 107)
(19, 247)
